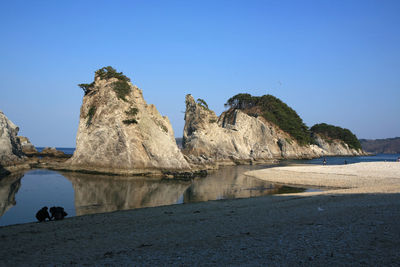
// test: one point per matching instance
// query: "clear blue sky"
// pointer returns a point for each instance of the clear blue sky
(332, 61)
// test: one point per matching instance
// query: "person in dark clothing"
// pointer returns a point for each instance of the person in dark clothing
(57, 213)
(43, 214)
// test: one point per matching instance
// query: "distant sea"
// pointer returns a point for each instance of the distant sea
(329, 160)
(349, 160)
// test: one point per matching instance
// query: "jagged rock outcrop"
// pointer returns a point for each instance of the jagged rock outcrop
(27, 147)
(120, 133)
(53, 153)
(10, 148)
(236, 137)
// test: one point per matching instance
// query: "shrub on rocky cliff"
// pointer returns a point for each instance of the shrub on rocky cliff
(273, 110)
(334, 132)
(86, 87)
(121, 87)
(90, 114)
(202, 103)
(130, 121)
(109, 72)
(132, 111)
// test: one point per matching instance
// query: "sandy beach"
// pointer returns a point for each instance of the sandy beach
(364, 177)
(351, 226)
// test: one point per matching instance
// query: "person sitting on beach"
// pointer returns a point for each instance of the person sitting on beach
(57, 213)
(43, 214)
(324, 162)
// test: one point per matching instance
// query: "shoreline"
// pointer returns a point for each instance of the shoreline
(363, 177)
(58, 163)
(336, 227)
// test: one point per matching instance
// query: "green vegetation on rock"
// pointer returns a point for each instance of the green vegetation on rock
(273, 110)
(121, 87)
(377, 146)
(86, 87)
(89, 116)
(109, 72)
(332, 132)
(130, 121)
(202, 103)
(131, 112)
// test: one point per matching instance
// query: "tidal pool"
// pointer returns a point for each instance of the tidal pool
(22, 195)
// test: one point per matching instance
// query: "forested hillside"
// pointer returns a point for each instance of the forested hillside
(388, 145)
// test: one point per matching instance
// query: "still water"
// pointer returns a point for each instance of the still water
(22, 195)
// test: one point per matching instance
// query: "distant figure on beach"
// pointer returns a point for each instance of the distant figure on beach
(324, 162)
(57, 213)
(43, 214)
(345, 162)
(398, 159)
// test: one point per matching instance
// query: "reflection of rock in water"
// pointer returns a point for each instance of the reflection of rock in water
(228, 182)
(3, 172)
(9, 187)
(97, 193)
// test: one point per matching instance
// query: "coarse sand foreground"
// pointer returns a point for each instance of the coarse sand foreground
(365, 177)
(330, 229)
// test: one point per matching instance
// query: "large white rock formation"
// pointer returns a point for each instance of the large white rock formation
(10, 148)
(120, 133)
(236, 137)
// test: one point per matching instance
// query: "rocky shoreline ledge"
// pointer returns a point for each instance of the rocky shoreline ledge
(345, 227)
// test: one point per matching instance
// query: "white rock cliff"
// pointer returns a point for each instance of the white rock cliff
(123, 134)
(10, 148)
(236, 137)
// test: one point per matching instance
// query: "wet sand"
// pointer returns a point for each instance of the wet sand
(357, 225)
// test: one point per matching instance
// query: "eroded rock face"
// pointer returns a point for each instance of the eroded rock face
(10, 147)
(27, 147)
(336, 147)
(53, 152)
(123, 135)
(240, 138)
